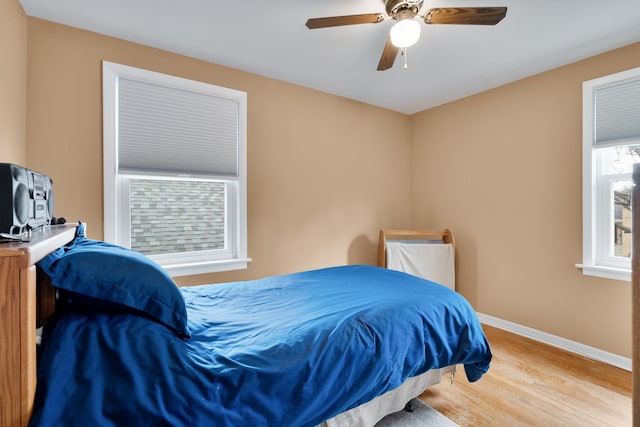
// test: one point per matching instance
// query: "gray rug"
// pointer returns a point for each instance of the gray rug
(422, 416)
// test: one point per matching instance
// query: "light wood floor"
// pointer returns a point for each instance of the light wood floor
(533, 384)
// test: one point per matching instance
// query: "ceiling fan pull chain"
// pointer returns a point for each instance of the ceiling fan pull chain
(404, 53)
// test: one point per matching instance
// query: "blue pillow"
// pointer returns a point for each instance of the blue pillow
(113, 274)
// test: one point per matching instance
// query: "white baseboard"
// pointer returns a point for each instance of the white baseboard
(563, 343)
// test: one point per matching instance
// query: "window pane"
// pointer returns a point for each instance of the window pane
(622, 159)
(622, 219)
(174, 216)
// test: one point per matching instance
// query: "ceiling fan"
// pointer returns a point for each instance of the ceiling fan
(406, 31)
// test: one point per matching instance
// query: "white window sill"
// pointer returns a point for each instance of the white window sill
(606, 272)
(191, 268)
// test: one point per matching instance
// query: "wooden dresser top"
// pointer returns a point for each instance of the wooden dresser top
(43, 241)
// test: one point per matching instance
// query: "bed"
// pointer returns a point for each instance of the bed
(336, 346)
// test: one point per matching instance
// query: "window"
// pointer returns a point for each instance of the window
(611, 145)
(175, 170)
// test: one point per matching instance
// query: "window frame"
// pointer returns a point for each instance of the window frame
(597, 190)
(116, 183)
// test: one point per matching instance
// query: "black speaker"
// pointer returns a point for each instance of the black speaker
(26, 199)
(14, 198)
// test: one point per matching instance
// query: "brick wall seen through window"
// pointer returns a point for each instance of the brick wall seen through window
(173, 216)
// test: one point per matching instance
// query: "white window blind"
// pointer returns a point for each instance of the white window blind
(170, 130)
(617, 113)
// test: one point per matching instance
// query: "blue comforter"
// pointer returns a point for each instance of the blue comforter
(291, 350)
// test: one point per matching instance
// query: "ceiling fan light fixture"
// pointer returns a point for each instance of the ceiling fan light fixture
(405, 33)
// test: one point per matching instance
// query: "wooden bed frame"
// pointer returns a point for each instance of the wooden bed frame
(20, 314)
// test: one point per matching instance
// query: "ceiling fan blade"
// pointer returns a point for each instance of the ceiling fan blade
(465, 15)
(388, 56)
(336, 21)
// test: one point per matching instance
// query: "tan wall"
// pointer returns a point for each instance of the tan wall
(324, 172)
(13, 82)
(508, 168)
(502, 169)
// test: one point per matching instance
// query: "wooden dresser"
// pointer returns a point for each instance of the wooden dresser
(18, 320)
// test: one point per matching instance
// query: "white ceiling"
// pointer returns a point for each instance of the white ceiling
(268, 37)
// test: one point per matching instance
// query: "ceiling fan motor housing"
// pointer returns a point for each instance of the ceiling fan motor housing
(398, 9)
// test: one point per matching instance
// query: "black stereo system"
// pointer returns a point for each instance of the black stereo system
(26, 199)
